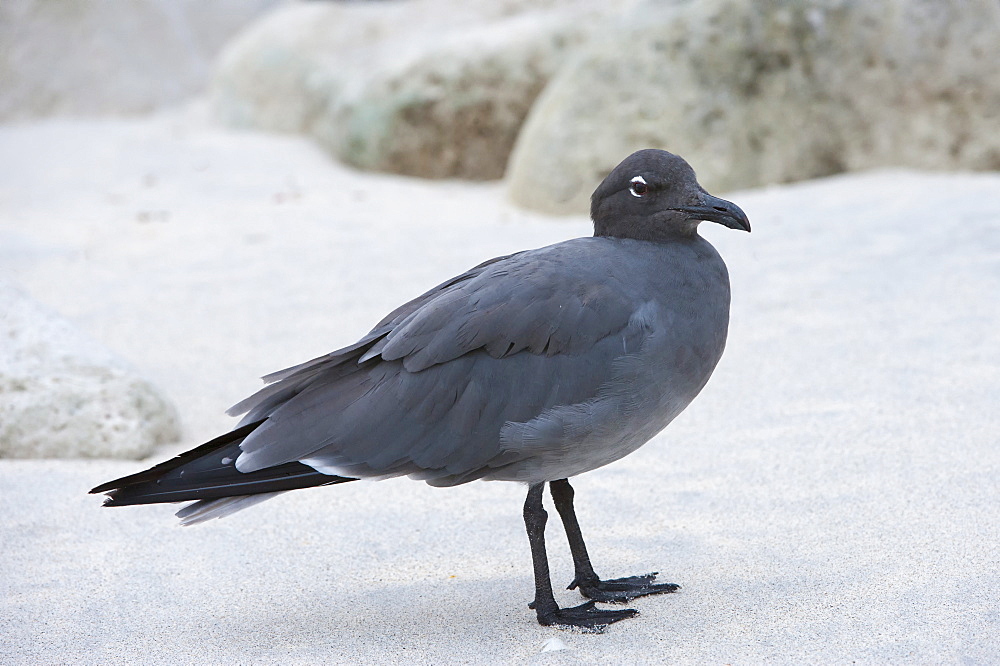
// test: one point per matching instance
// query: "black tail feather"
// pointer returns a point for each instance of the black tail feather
(209, 472)
(157, 471)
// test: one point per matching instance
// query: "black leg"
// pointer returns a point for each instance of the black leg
(584, 616)
(618, 590)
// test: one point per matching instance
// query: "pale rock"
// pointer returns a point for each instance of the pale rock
(754, 93)
(279, 73)
(454, 111)
(430, 88)
(62, 395)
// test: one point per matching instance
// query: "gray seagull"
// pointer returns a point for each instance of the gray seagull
(532, 367)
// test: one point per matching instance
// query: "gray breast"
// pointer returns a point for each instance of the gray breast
(666, 355)
(533, 367)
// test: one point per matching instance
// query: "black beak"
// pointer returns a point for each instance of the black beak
(718, 210)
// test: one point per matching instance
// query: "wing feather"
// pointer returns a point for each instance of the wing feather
(428, 391)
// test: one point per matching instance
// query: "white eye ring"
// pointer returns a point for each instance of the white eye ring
(637, 187)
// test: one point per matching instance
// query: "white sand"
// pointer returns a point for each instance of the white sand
(831, 497)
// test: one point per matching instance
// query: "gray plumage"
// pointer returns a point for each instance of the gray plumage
(533, 367)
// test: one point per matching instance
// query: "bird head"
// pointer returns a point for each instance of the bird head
(654, 195)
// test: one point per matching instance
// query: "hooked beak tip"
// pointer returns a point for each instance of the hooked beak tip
(714, 209)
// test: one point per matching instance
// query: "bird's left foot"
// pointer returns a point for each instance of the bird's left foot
(620, 590)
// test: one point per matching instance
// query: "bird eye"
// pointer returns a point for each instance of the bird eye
(637, 187)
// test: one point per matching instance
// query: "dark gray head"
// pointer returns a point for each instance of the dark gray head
(654, 195)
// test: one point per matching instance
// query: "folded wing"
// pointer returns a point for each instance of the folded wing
(428, 391)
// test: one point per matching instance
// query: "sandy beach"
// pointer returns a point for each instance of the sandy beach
(833, 496)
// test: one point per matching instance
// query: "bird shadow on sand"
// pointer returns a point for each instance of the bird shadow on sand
(426, 620)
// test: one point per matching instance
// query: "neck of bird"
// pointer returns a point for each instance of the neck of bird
(665, 233)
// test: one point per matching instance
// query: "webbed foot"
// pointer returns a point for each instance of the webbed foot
(585, 617)
(620, 590)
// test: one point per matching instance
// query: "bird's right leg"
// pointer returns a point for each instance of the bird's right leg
(584, 616)
(615, 590)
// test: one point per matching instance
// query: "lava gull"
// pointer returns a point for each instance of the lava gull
(532, 367)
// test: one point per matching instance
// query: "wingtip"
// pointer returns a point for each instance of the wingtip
(103, 488)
